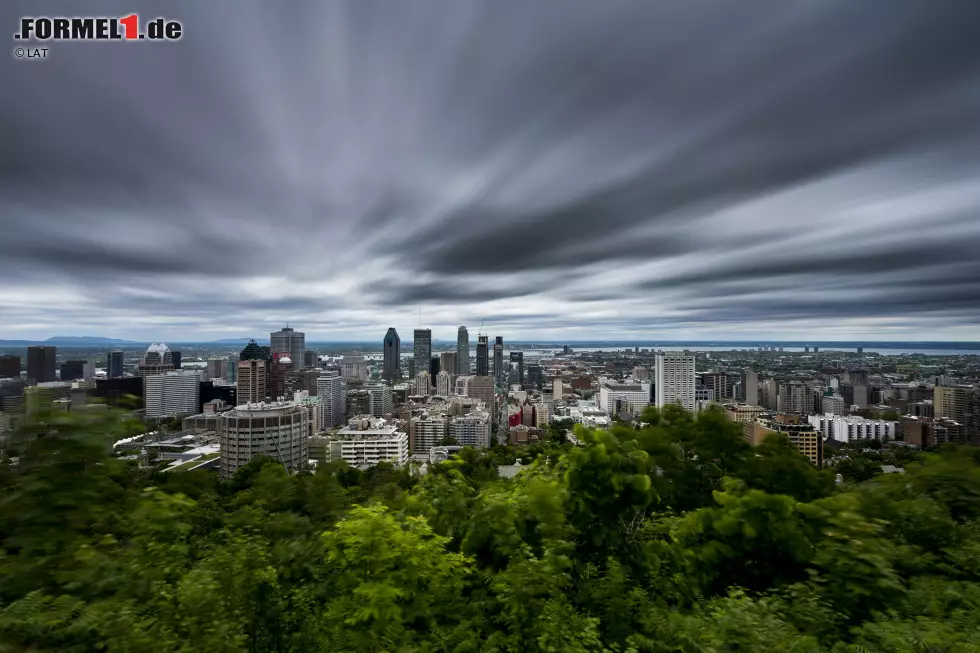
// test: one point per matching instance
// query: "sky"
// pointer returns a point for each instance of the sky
(560, 169)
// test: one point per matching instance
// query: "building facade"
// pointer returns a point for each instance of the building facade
(368, 441)
(330, 389)
(279, 430)
(482, 356)
(675, 380)
(41, 364)
(290, 342)
(422, 349)
(472, 430)
(9, 367)
(171, 394)
(156, 360)
(618, 398)
(498, 361)
(252, 381)
(392, 347)
(462, 351)
(845, 429)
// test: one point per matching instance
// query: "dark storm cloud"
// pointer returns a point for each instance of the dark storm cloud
(616, 165)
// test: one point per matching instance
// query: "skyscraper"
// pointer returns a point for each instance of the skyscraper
(40, 364)
(330, 390)
(422, 345)
(231, 369)
(498, 360)
(156, 360)
(518, 357)
(392, 345)
(252, 382)
(252, 351)
(72, 370)
(9, 367)
(175, 358)
(115, 364)
(462, 351)
(750, 387)
(675, 380)
(449, 362)
(289, 342)
(482, 356)
(173, 393)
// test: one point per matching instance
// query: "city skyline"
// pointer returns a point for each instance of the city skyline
(563, 171)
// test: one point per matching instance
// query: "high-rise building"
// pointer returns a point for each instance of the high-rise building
(472, 430)
(72, 370)
(290, 342)
(253, 351)
(422, 384)
(156, 360)
(9, 367)
(172, 393)
(518, 357)
(498, 361)
(463, 351)
(280, 366)
(422, 346)
(175, 359)
(847, 428)
(379, 399)
(426, 431)
(960, 404)
(279, 430)
(41, 364)
(330, 389)
(482, 356)
(311, 359)
(444, 382)
(231, 369)
(478, 387)
(449, 362)
(793, 398)
(217, 368)
(392, 369)
(434, 367)
(115, 364)
(675, 380)
(718, 383)
(750, 387)
(252, 381)
(353, 368)
(535, 375)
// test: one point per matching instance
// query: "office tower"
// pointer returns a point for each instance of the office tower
(41, 364)
(449, 362)
(422, 384)
(793, 398)
(718, 383)
(172, 393)
(9, 367)
(175, 359)
(156, 360)
(281, 365)
(535, 375)
(675, 380)
(311, 359)
(115, 364)
(231, 369)
(434, 366)
(392, 346)
(750, 387)
(88, 368)
(357, 401)
(330, 389)
(478, 387)
(426, 431)
(72, 370)
(253, 351)
(353, 368)
(216, 368)
(463, 351)
(422, 345)
(518, 357)
(252, 381)
(444, 383)
(411, 368)
(482, 356)
(498, 360)
(289, 342)
(860, 351)
(278, 430)
(379, 399)
(832, 404)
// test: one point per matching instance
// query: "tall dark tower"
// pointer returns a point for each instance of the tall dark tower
(114, 364)
(392, 369)
(498, 360)
(462, 352)
(482, 356)
(40, 364)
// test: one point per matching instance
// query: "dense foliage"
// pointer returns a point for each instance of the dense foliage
(676, 536)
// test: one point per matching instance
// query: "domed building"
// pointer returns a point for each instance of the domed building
(156, 360)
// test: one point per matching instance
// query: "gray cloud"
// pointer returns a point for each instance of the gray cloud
(566, 167)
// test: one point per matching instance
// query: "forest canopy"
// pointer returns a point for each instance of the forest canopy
(677, 536)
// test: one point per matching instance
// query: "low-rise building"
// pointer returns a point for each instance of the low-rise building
(803, 436)
(279, 430)
(846, 428)
(472, 430)
(367, 441)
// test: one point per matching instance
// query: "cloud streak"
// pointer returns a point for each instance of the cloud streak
(623, 169)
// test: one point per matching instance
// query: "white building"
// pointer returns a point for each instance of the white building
(542, 416)
(472, 430)
(426, 431)
(330, 390)
(367, 441)
(794, 398)
(444, 383)
(279, 430)
(615, 398)
(421, 385)
(379, 398)
(353, 368)
(172, 393)
(675, 380)
(315, 407)
(847, 428)
(833, 404)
